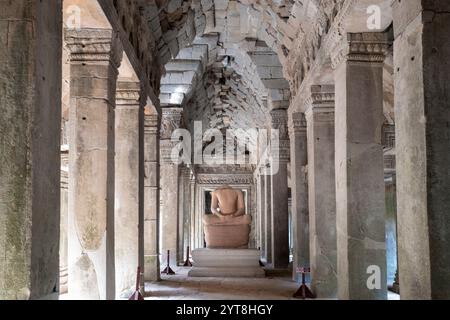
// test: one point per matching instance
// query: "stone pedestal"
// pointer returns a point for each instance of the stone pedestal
(95, 55)
(126, 219)
(359, 166)
(422, 112)
(322, 200)
(30, 127)
(229, 263)
(300, 213)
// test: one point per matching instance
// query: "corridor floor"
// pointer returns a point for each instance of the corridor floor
(181, 287)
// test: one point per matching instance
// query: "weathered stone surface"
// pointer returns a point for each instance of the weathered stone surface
(126, 219)
(170, 174)
(91, 164)
(299, 181)
(322, 194)
(280, 194)
(30, 124)
(268, 218)
(360, 167)
(86, 278)
(151, 198)
(421, 55)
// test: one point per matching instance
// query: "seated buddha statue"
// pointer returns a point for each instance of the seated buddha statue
(228, 227)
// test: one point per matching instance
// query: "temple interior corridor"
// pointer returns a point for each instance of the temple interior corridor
(127, 126)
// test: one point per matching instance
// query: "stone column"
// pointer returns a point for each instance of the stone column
(321, 185)
(183, 212)
(261, 219)
(63, 236)
(422, 86)
(299, 178)
(30, 125)
(186, 218)
(280, 193)
(192, 212)
(358, 64)
(126, 219)
(95, 57)
(170, 174)
(151, 197)
(268, 220)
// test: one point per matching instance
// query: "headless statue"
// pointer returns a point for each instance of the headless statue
(228, 226)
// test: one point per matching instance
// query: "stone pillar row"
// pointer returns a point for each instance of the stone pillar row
(321, 185)
(113, 211)
(346, 174)
(95, 56)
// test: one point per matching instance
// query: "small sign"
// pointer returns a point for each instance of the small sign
(303, 270)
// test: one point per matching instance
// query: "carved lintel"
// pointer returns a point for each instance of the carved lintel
(94, 46)
(368, 47)
(225, 179)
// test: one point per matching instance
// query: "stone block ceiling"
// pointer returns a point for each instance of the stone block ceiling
(229, 62)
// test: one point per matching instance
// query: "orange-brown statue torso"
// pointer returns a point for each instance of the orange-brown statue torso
(228, 227)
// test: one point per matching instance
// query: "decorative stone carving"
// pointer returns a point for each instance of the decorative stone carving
(298, 124)
(225, 179)
(151, 123)
(94, 45)
(361, 47)
(321, 103)
(128, 95)
(171, 120)
(279, 119)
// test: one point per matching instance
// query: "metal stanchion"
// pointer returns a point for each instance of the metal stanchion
(304, 292)
(188, 261)
(168, 270)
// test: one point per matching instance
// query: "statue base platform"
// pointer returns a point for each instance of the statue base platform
(227, 263)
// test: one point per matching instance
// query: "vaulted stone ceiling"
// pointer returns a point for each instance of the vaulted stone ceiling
(218, 57)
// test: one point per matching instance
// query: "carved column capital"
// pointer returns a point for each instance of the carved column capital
(321, 103)
(94, 46)
(170, 121)
(368, 47)
(279, 119)
(298, 125)
(151, 124)
(128, 95)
